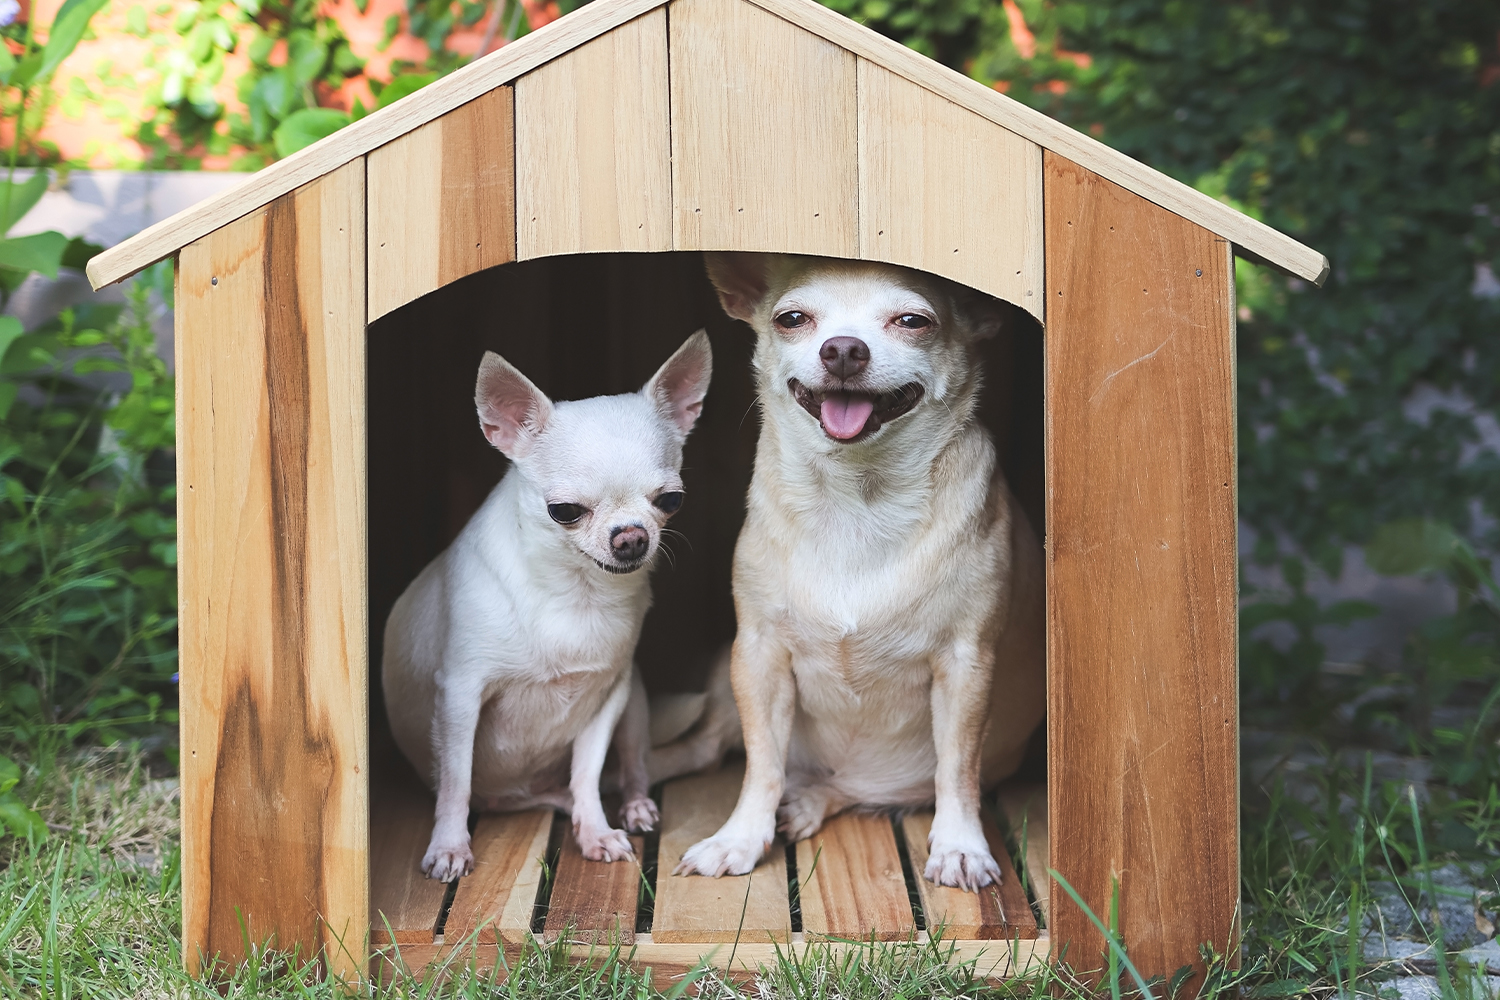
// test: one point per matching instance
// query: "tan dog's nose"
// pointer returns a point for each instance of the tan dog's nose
(629, 543)
(844, 357)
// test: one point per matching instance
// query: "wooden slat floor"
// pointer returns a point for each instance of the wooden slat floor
(857, 879)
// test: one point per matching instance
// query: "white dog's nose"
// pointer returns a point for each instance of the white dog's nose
(629, 542)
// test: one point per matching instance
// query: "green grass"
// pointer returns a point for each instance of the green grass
(92, 910)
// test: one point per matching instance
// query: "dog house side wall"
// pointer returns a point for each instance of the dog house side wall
(1141, 578)
(271, 500)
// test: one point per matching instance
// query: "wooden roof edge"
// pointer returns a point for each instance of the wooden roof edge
(1254, 239)
(259, 189)
(1262, 242)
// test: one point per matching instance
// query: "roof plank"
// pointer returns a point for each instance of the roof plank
(165, 238)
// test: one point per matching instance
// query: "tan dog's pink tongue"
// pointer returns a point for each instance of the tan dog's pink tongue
(844, 414)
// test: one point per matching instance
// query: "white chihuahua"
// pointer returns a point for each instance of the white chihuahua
(515, 644)
(887, 587)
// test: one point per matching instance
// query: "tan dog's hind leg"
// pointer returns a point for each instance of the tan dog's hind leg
(961, 677)
(766, 694)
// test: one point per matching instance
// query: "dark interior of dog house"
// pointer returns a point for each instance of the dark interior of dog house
(586, 325)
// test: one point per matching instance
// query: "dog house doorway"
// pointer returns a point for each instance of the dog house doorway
(578, 326)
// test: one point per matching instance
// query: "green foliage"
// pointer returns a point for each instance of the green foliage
(16, 817)
(88, 539)
(1363, 130)
(296, 51)
(26, 94)
(940, 29)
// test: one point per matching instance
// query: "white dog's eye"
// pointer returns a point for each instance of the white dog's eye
(913, 321)
(669, 503)
(791, 319)
(566, 513)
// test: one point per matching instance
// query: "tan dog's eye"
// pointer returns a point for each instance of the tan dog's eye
(791, 319)
(913, 321)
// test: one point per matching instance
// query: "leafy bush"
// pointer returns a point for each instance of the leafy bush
(88, 540)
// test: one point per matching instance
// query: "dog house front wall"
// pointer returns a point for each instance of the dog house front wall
(1143, 718)
(271, 523)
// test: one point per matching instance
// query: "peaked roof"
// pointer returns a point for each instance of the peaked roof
(1250, 237)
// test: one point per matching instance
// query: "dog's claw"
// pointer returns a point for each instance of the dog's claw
(718, 856)
(605, 845)
(969, 869)
(446, 863)
(639, 815)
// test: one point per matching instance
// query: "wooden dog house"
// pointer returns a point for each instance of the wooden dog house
(653, 127)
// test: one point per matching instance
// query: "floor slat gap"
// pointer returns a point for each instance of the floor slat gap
(913, 894)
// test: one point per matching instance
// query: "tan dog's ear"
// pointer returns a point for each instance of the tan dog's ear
(512, 412)
(985, 315)
(741, 279)
(678, 387)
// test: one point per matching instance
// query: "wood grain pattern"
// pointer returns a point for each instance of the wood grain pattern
(271, 460)
(747, 908)
(851, 881)
(998, 912)
(1141, 595)
(594, 19)
(497, 899)
(594, 148)
(943, 190)
(1025, 808)
(593, 901)
(404, 903)
(764, 143)
(442, 202)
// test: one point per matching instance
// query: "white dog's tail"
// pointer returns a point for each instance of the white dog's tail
(692, 732)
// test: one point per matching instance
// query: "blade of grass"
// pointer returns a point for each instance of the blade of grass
(1114, 945)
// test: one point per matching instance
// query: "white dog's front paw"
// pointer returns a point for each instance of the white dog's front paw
(604, 844)
(968, 866)
(446, 862)
(722, 855)
(639, 815)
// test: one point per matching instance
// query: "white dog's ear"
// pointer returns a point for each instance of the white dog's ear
(741, 279)
(678, 387)
(512, 411)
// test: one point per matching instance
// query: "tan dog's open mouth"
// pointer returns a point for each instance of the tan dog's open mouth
(852, 416)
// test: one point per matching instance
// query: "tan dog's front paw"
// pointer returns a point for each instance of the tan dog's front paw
(721, 855)
(447, 862)
(639, 815)
(968, 867)
(604, 845)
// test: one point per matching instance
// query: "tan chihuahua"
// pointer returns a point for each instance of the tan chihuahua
(888, 589)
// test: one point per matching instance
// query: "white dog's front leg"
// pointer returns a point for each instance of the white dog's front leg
(590, 828)
(959, 854)
(766, 694)
(632, 743)
(455, 720)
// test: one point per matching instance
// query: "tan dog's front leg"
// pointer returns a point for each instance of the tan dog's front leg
(766, 694)
(596, 839)
(959, 854)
